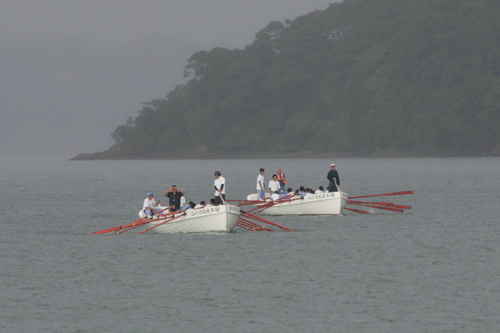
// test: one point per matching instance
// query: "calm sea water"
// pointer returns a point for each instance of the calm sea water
(435, 268)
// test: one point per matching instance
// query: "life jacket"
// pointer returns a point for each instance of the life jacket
(281, 178)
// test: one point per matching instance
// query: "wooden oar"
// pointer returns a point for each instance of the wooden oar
(388, 204)
(173, 218)
(275, 203)
(248, 226)
(114, 229)
(378, 195)
(240, 222)
(379, 207)
(249, 203)
(264, 205)
(242, 200)
(133, 227)
(357, 210)
(255, 225)
(260, 219)
(163, 217)
(241, 225)
(119, 227)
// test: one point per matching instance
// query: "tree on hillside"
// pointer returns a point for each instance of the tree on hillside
(361, 75)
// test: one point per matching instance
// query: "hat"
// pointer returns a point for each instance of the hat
(150, 193)
(217, 173)
(332, 165)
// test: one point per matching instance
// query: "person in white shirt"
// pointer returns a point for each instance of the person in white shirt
(200, 205)
(220, 190)
(309, 193)
(290, 193)
(261, 185)
(274, 185)
(275, 196)
(320, 190)
(302, 192)
(149, 204)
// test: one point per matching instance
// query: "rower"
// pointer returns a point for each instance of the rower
(200, 205)
(320, 190)
(148, 206)
(275, 196)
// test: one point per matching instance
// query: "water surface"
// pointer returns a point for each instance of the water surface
(435, 268)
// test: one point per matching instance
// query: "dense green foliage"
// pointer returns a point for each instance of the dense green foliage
(362, 75)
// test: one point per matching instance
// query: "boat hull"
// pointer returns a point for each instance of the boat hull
(221, 218)
(331, 203)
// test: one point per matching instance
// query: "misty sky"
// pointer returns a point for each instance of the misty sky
(71, 71)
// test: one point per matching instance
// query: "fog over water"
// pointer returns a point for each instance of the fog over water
(72, 71)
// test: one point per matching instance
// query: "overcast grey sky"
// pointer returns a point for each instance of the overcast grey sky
(228, 23)
(52, 49)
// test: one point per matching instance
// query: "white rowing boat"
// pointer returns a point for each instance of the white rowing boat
(211, 218)
(331, 203)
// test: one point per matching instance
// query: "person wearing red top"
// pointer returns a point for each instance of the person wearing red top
(281, 179)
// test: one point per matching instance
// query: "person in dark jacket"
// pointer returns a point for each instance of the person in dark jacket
(333, 177)
(174, 194)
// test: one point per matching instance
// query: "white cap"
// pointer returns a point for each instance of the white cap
(332, 165)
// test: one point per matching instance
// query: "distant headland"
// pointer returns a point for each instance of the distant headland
(361, 78)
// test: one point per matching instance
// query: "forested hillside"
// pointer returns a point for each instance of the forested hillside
(362, 76)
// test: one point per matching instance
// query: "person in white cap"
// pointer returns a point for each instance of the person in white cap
(149, 204)
(220, 191)
(333, 177)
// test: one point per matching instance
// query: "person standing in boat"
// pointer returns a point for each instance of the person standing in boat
(333, 177)
(149, 204)
(281, 179)
(174, 194)
(274, 185)
(220, 191)
(261, 185)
